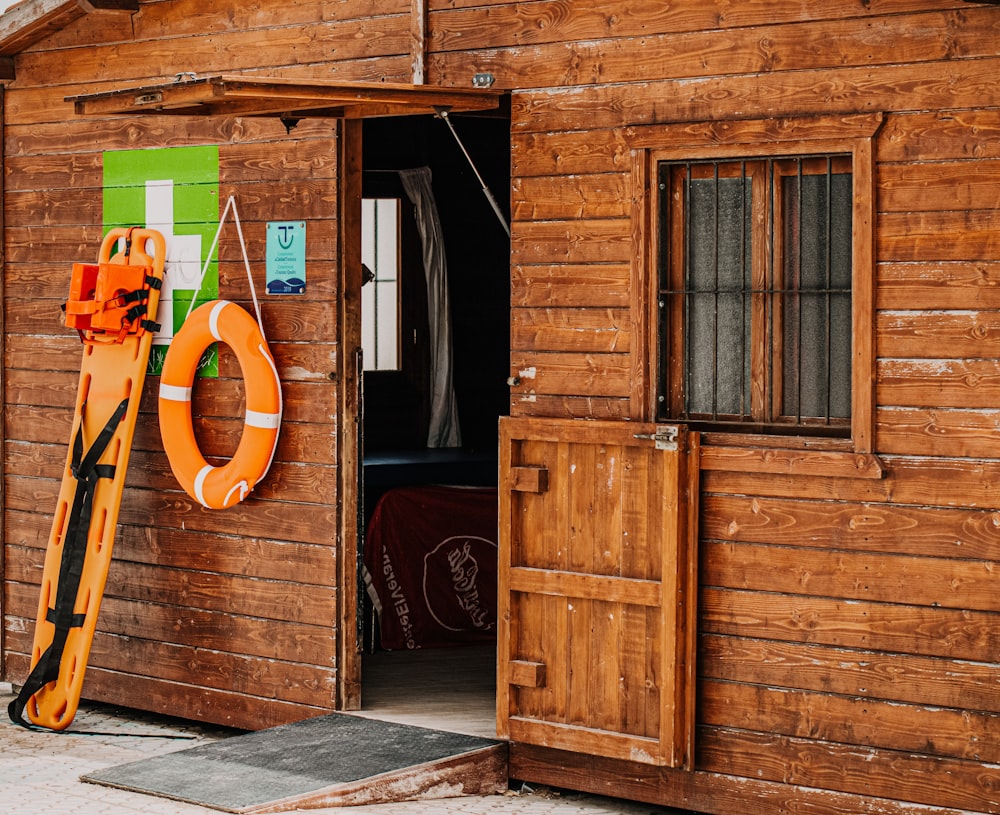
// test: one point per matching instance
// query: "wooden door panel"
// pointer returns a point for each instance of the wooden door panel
(597, 587)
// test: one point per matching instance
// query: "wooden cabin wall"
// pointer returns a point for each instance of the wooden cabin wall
(223, 616)
(848, 628)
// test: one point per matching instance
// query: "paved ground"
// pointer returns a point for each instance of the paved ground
(40, 772)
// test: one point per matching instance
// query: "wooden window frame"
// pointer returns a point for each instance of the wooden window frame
(377, 282)
(851, 135)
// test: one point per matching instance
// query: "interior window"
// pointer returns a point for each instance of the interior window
(755, 293)
(380, 257)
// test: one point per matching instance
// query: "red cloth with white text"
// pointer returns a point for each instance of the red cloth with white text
(431, 559)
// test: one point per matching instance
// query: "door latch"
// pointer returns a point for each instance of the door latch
(665, 437)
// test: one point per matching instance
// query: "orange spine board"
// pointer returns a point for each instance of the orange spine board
(109, 373)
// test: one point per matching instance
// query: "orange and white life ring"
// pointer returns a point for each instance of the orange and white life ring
(224, 486)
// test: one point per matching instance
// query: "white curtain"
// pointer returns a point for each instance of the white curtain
(443, 430)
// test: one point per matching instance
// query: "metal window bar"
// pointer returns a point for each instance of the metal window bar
(828, 270)
(798, 297)
(715, 298)
(746, 274)
(689, 296)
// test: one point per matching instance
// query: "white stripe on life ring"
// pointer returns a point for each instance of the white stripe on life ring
(199, 484)
(175, 393)
(213, 319)
(267, 421)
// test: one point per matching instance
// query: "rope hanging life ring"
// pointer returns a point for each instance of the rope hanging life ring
(224, 486)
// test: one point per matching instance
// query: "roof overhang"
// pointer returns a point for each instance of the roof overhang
(239, 95)
(28, 22)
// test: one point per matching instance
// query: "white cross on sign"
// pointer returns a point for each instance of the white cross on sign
(182, 265)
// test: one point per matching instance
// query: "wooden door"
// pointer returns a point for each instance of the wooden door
(597, 588)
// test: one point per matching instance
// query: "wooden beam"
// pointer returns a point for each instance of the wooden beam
(31, 21)
(418, 41)
(826, 463)
(235, 95)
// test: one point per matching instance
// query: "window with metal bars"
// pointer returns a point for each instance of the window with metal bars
(755, 274)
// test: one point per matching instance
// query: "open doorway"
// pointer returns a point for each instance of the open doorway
(429, 481)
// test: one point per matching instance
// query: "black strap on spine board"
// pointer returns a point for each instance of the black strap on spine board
(87, 472)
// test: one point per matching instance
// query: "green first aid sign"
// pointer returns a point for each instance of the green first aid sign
(175, 191)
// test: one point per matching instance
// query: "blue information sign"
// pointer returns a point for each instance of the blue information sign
(286, 257)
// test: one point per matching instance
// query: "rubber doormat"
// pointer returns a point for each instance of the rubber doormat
(256, 771)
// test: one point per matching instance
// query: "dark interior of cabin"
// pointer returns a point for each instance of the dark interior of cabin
(411, 488)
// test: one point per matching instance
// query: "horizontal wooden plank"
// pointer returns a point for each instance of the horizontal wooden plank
(294, 199)
(586, 740)
(48, 265)
(133, 60)
(295, 361)
(184, 700)
(911, 480)
(80, 171)
(217, 631)
(602, 331)
(586, 151)
(569, 407)
(309, 402)
(44, 112)
(542, 435)
(511, 24)
(706, 791)
(945, 383)
(602, 56)
(576, 196)
(844, 525)
(218, 438)
(267, 599)
(312, 443)
(939, 432)
(948, 285)
(567, 374)
(188, 17)
(287, 480)
(832, 464)
(558, 285)
(254, 518)
(912, 777)
(929, 186)
(828, 572)
(50, 281)
(752, 136)
(234, 673)
(938, 334)
(917, 680)
(603, 588)
(864, 722)
(242, 555)
(966, 235)
(892, 88)
(940, 135)
(598, 241)
(284, 319)
(890, 627)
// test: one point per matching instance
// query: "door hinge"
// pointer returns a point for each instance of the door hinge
(665, 437)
